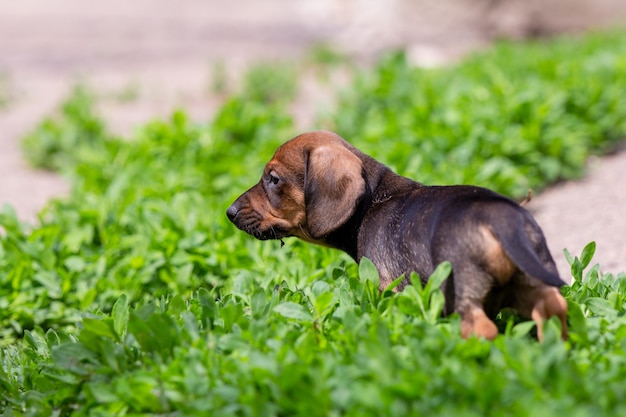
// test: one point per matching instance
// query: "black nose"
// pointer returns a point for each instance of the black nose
(232, 212)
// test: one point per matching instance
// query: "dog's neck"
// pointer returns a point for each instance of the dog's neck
(392, 184)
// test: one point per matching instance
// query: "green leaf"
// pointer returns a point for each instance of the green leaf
(437, 303)
(600, 307)
(37, 341)
(120, 315)
(75, 263)
(102, 392)
(416, 282)
(231, 342)
(74, 357)
(259, 303)
(587, 254)
(522, 329)
(368, 272)
(436, 279)
(568, 256)
(394, 283)
(293, 311)
(100, 327)
(143, 333)
(320, 287)
(577, 270)
(577, 322)
(324, 303)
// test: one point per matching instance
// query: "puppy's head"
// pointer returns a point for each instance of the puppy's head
(309, 188)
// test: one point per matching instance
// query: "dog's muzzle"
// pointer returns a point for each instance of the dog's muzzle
(249, 221)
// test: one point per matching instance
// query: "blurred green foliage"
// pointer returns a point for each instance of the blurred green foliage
(135, 295)
(518, 116)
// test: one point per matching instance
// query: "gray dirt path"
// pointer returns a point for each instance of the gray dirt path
(162, 53)
(593, 209)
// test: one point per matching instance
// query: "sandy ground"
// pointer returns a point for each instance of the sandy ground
(162, 53)
(593, 209)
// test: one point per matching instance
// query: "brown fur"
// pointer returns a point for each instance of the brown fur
(497, 262)
(321, 189)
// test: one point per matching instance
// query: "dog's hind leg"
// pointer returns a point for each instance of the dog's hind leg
(468, 287)
(540, 303)
(472, 286)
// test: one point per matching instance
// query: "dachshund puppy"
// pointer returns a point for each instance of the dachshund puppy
(323, 190)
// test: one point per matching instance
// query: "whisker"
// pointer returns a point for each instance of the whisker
(304, 232)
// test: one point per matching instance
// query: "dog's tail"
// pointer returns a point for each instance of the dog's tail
(520, 249)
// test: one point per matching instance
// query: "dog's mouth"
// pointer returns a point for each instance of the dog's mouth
(272, 232)
(251, 224)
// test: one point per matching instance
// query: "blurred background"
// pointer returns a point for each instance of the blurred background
(151, 57)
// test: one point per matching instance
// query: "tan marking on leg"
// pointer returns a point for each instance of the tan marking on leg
(497, 262)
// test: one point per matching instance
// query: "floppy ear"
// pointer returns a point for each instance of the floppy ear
(332, 186)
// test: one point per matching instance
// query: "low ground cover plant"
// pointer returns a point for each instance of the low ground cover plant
(135, 296)
(512, 118)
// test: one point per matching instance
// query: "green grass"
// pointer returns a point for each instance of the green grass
(135, 295)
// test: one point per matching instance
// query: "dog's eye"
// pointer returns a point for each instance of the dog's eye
(273, 179)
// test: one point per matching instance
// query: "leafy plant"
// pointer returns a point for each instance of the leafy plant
(75, 133)
(135, 295)
(516, 117)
